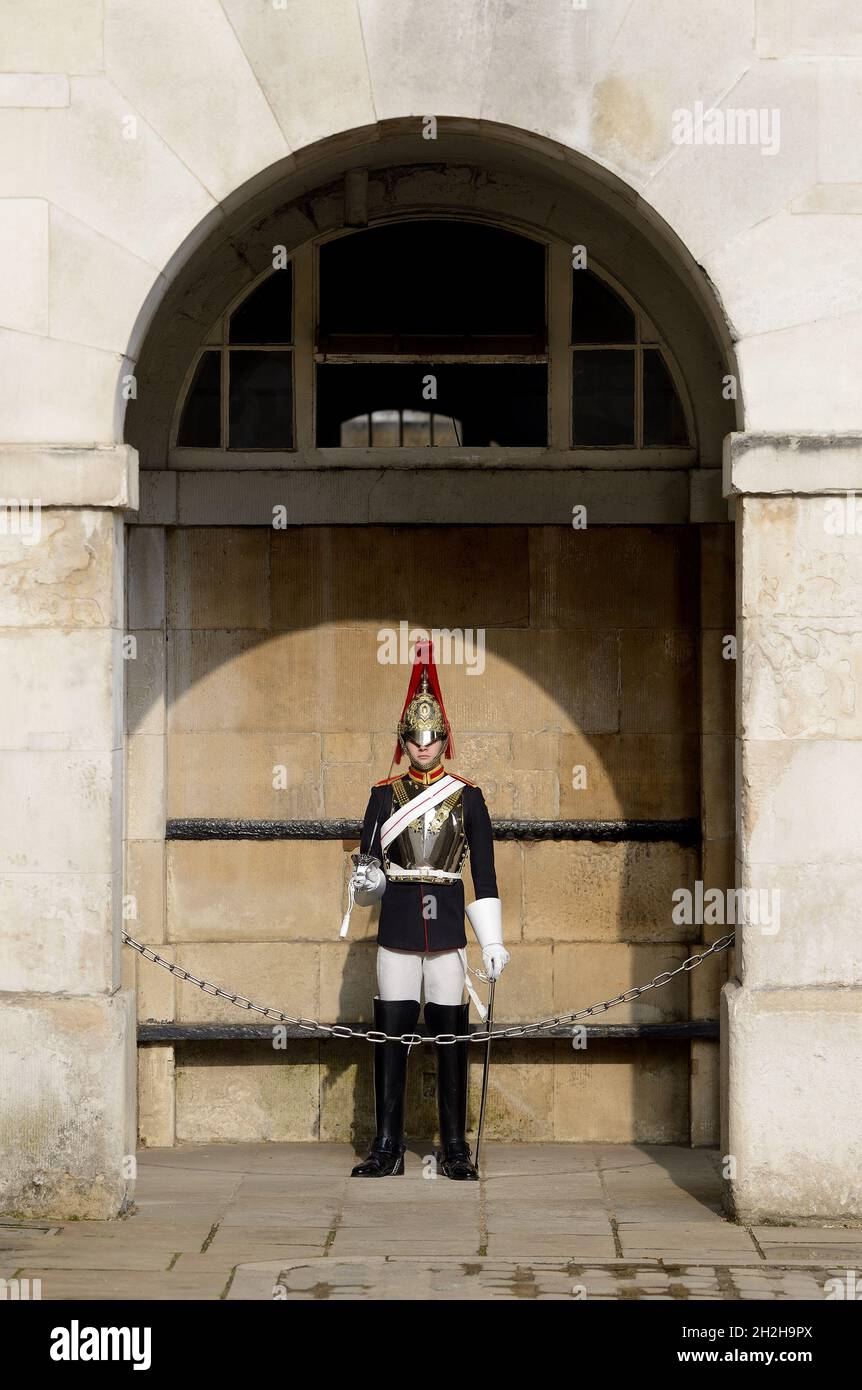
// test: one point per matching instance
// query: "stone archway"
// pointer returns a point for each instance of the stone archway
(68, 1108)
(654, 502)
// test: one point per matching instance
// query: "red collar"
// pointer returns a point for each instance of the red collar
(426, 778)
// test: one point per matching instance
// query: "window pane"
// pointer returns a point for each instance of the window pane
(504, 404)
(417, 286)
(664, 418)
(603, 397)
(599, 315)
(261, 400)
(266, 316)
(200, 421)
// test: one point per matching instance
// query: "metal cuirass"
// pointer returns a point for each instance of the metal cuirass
(434, 841)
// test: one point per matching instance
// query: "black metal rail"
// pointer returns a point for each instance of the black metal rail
(233, 1032)
(681, 832)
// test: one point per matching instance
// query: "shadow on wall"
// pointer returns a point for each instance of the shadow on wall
(595, 693)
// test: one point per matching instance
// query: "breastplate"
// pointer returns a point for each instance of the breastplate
(434, 841)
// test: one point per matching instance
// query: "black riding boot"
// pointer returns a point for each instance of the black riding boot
(452, 1068)
(386, 1159)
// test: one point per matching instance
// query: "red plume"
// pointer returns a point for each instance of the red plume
(424, 659)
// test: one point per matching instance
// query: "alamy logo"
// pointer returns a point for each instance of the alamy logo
(77, 1343)
(452, 646)
(20, 516)
(718, 907)
(693, 125)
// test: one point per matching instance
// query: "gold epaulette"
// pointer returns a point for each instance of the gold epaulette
(386, 780)
(458, 777)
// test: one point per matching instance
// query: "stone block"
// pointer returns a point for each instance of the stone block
(536, 752)
(284, 976)
(60, 812)
(50, 38)
(146, 684)
(590, 973)
(619, 1093)
(326, 574)
(704, 1093)
(792, 1122)
(521, 795)
(232, 775)
(57, 932)
(717, 577)
(718, 785)
(97, 287)
(651, 565)
(659, 687)
(156, 1096)
(24, 243)
(717, 684)
(145, 887)
(218, 577)
(824, 579)
(145, 787)
(580, 891)
(348, 981)
(146, 577)
(71, 579)
(802, 926)
(800, 801)
(58, 689)
(270, 890)
(629, 776)
(68, 1119)
(228, 1093)
(801, 678)
(346, 748)
(283, 46)
(157, 988)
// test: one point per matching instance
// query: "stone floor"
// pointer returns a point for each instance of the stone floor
(554, 1221)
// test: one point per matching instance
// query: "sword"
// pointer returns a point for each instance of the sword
(489, 1023)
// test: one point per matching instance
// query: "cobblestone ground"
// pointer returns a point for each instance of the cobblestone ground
(548, 1221)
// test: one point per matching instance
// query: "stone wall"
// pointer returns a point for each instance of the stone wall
(262, 653)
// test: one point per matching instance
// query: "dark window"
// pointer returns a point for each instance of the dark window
(598, 314)
(603, 397)
(265, 316)
(503, 403)
(435, 286)
(200, 422)
(261, 400)
(664, 418)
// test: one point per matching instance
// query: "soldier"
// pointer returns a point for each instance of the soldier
(419, 828)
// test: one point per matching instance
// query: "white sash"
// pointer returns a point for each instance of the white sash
(425, 801)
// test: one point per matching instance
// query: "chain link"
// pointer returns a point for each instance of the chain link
(343, 1030)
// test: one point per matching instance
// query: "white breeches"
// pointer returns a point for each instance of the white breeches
(400, 975)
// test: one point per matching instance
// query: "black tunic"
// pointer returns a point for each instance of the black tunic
(430, 916)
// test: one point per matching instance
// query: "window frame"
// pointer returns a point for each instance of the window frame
(559, 452)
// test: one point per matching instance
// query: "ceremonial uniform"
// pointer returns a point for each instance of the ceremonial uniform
(432, 830)
(420, 827)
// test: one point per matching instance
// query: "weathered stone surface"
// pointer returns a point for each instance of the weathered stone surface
(632, 1092)
(67, 1128)
(232, 775)
(629, 776)
(579, 891)
(658, 682)
(651, 569)
(271, 890)
(587, 974)
(272, 974)
(72, 578)
(801, 678)
(218, 577)
(233, 1092)
(792, 1095)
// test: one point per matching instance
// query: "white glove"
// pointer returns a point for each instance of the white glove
(495, 959)
(369, 884)
(486, 919)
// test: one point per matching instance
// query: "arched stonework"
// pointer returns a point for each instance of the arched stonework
(138, 132)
